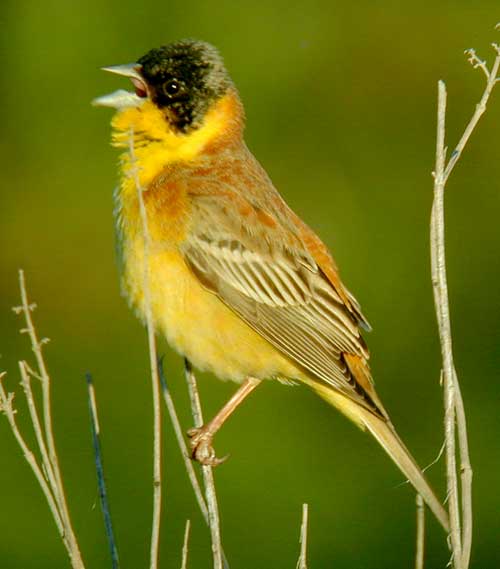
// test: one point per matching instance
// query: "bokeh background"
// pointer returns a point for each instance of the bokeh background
(340, 99)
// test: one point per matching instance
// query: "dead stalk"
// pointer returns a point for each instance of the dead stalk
(420, 541)
(208, 477)
(185, 545)
(48, 472)
(188, 463)
(460, 510)
(153, 358)
(302, 562)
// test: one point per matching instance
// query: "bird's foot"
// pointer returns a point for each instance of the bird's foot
(201, 447)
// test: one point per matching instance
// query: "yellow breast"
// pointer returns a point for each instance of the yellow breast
(197, 324)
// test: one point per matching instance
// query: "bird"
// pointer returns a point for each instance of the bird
(237, 283)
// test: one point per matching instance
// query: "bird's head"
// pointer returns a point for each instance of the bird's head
(178, 89)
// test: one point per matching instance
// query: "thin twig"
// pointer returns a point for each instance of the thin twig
(46, 465)
(174, 418)
(7, 409)
(48, 447)
(466, 475)
(302, 562)
(101, 482)
(420, 541)
(35, 421)
(208, 477)
(188, 463)
(480, 109)
(442, 310)
(185, 545)
(454, 407)
(157, 484)
(465, 465)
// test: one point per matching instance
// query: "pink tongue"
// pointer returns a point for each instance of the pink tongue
(140, 88)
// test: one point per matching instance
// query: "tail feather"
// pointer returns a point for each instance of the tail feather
(386, 435)
(389, 440)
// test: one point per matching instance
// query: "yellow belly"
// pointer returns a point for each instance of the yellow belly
(198, 325)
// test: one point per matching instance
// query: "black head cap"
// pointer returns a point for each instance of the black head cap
(183, 79)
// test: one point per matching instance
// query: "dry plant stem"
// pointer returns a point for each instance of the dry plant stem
(465, 467)
(182, 445)
(103, 495)
(7, 408)
(35, 421)
(419, 555)
(302, 562)
(466, 475)
(492, 79)
(185, 545)
(208, 477)
(44, 376)
(442, 310)
(47, 445)
(454, 407)
(157, 489)
(188, 463)
(46, 463)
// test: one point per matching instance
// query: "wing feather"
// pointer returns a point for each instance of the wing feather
(280, 292)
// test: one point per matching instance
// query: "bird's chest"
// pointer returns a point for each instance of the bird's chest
(148, 236)
(193, 320)
(188, 315)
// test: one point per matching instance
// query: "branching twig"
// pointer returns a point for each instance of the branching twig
(420, 541)
(25, 373)
(103, 495)
(49, 469)
(7, 409)
(53, 463)
(302, 562)
(492, 79)
(454, 409)
(442, 310)
(208, 477)
(157, 483)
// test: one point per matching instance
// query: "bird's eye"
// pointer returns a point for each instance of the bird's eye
(171, 88)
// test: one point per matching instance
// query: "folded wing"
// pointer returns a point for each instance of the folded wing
(275, 285)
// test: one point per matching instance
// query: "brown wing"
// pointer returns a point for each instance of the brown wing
(265, 274)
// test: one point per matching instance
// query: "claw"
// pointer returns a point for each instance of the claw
(201, 447)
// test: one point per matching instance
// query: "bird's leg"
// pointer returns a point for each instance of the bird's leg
(201, 437)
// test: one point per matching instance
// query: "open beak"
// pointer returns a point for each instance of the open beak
(121, 99)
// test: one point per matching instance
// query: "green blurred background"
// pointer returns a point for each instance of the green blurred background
(340, 100)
